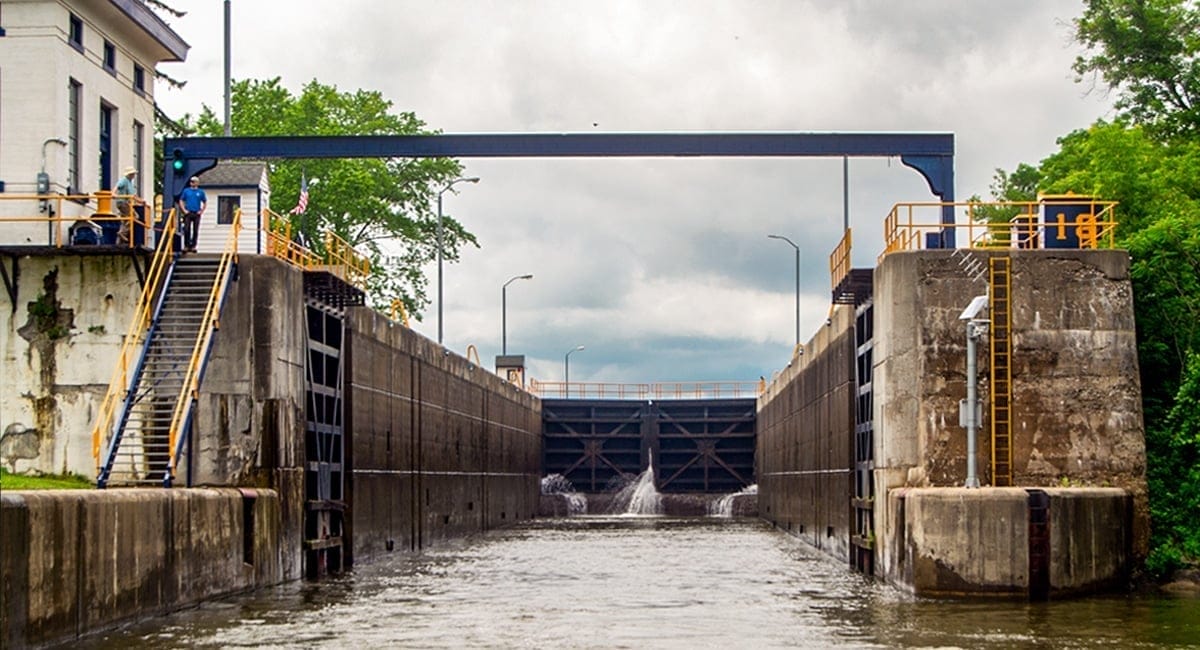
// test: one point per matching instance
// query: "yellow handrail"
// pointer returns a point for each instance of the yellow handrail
(118, 386)
(398, 307)
(1066, 221)
(52, 211)
(210, 322)
(839, 260)
(340, 258)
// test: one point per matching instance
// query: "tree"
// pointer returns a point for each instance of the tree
(1149, 51)
(383, 208)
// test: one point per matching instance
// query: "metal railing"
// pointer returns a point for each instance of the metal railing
(660, 390)
(63, 215)
(209, 323)
(339, 259)
(131, 346)
(839, 260)
(1064, 221)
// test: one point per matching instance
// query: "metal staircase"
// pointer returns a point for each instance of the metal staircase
(146, 418)
(1000, 286)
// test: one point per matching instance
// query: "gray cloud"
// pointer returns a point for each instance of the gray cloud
(662, 266)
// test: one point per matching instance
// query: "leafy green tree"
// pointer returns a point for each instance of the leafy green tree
(382, 207)
(1149, 51)
(1020, 185)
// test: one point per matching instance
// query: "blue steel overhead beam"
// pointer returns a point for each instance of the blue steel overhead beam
(931, 154)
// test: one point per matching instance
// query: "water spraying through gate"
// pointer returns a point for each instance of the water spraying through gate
(640, 497)
(723, 507)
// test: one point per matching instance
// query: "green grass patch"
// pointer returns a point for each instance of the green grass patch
(43, 482)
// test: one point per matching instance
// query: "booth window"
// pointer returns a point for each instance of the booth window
(225, 208)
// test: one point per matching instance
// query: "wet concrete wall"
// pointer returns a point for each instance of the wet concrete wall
(805, 440)
(440, 447)
(1076, 417)
(59, 344)
(75, 561)
(955, 541)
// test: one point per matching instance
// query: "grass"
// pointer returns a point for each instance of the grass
(43, 482)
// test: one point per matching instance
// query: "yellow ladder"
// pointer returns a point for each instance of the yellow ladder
(1000, 278)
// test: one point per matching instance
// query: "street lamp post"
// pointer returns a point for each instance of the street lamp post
(567, 370)
(504, 310)
(472, 179)
(793, 244)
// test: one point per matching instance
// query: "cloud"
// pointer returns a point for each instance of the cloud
(662, 266)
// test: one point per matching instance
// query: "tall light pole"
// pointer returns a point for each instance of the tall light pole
(793, 244)
(567, 370)
(504, 310)
(471, 179)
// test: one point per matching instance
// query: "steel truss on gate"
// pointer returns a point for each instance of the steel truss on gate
(325, 463)
(697, 446)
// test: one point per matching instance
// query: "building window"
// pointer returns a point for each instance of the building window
(139, 79)
(108, 136)
(74, 92)
(75, 33)
(139, 141)
(226, 205)
(110, 58)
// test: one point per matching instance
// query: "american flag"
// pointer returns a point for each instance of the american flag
(302, 202)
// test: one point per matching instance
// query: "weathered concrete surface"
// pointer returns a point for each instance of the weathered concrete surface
(75, 561)
(58, 349)
(958, 541)
(439, 448)
(1076, 399)
(805, 434)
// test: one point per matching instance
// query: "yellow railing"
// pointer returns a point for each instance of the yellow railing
(398, 309)
(839, 260)
(661, 390)
(210, 322)
(340, 258)
(119, 386)
(1065, 221)
(58, 213)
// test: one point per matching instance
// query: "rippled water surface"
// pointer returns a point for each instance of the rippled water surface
(644, 582)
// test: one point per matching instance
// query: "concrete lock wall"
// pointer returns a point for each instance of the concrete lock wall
(1076, 417)
(440, 447)
(805, 448)
(956, 541)
(58, 346)
(248, 427)
(75, 561)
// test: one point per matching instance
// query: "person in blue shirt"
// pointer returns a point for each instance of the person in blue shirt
(192, 202)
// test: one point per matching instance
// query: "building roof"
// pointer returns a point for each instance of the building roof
(149, 22)
(234, 174)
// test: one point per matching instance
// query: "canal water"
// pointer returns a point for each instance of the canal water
(644, 582)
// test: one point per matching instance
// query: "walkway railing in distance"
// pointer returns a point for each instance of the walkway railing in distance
(339, 259)
(51, 219)
(660, 390)
(131, 345)
(210, 322)
(1059, 221)
(839, 260)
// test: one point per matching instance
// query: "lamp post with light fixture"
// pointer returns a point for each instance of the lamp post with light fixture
(471, 179)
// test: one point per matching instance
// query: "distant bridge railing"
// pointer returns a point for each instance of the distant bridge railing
(660, 390)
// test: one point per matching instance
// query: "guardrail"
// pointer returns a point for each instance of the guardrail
(100, 218)
(1060, 221)
(339, 257)
(119, 385)
(660, 390)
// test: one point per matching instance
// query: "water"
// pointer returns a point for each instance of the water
(640, 497)
(723, 507)
(644, 582)
(558, 484)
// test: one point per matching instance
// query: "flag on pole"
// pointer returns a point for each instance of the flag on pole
(302, 202)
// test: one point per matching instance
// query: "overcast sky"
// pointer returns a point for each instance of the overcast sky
(662, 267)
